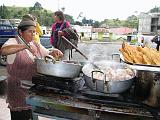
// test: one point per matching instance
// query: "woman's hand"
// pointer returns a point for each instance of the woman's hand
(56, 53)
(60, 33)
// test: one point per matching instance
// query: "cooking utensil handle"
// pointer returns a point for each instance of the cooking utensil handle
(116, 54)
(50, 57)
(24, 43)
(75, 47)
(100, 72)
(94, 80)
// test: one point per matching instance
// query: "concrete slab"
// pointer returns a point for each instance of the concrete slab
(4, 110)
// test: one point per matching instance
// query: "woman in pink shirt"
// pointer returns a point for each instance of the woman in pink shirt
(59, 24)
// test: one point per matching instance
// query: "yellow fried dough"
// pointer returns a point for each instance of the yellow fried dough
(126, 56)
(140, 55)
(146, 60)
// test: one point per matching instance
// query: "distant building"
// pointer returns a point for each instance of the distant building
(122, 31)
(84, 31)
(149, 23)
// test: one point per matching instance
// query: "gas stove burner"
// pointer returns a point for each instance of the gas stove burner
(51, 82)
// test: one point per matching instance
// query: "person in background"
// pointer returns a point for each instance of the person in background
(146, 42)
(57, 27)
(21, 66)
(140, 41)
(156, 39)
(38, 33)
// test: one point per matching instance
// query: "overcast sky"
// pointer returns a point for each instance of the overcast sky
(92, 9)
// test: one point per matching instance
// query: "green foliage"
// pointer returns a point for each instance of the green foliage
(4, 12)
(78, 23)
(155, 9)
(69, 18)
(44, 17)
(133, 41)
(111, 23)
(37, 5)
(132, 22)
(96, 24)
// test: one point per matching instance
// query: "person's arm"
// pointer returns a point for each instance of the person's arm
(54, 52)
(12, 49)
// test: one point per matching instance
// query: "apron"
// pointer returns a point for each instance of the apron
(23, 68)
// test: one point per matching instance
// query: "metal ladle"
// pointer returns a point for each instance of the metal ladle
(24, 43)
(80, 52)
(75, 47)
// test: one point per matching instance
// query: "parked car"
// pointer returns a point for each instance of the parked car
(6, 31)
(45, 41)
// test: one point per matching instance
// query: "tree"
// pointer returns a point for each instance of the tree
(132, 21)
(37, 5)
(69, 18)
(155, 9)
(4, 13)
(84, 20)
(96, 24)
(63, 9)
(78, 23)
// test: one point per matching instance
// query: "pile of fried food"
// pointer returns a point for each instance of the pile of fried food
(139, 55)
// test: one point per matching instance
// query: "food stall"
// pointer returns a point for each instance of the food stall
(97, 92)
(146, 62)
(70, 100)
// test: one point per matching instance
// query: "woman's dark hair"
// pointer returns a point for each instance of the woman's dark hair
(60, 15)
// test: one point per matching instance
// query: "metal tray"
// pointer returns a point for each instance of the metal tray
(142, 67)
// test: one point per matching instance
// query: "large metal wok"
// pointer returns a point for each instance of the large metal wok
(106, 86)
(64, 69)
